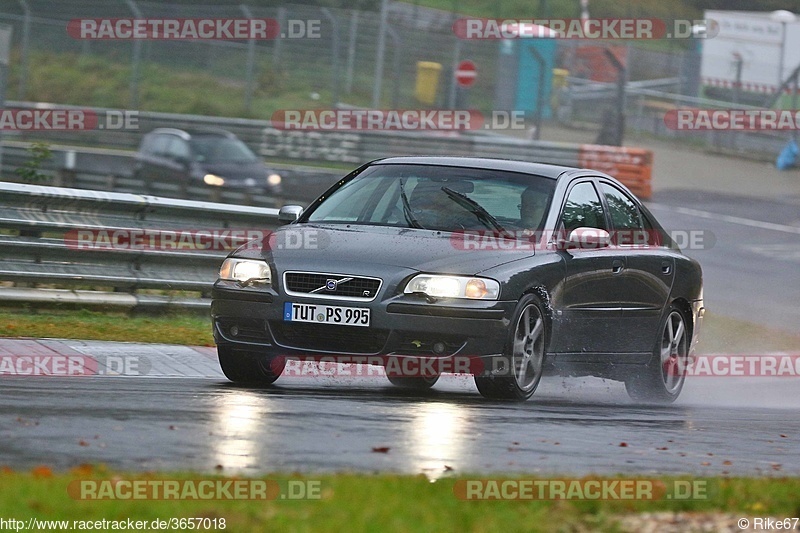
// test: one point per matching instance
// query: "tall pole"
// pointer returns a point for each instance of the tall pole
(794, 98)
(135, 60)
(780, 58)
(5, 52)
(377, 85)
(23, 60)
(249, 74)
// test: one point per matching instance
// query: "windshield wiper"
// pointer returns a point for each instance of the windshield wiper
(475, 208)
(407, 213)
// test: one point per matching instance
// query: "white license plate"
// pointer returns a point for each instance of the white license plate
(326, 314)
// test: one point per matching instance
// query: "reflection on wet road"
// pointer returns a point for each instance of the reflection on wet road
(318, 424)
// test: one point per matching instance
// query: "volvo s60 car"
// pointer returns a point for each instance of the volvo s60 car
(518, 268)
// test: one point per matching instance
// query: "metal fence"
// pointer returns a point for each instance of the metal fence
(342, 64)
(41, 246)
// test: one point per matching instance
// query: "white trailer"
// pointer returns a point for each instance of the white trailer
(769, 50)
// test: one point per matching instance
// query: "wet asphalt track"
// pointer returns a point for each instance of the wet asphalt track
(182, 414)
(310, 423)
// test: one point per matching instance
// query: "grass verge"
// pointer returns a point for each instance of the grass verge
(178, 328)
(720, 334)
(386, 502)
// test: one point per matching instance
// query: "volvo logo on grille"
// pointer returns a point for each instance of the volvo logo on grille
(331, 285)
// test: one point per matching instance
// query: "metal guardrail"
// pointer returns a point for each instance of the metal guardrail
(647, 102)
(329, 146)
(41, 246)
(113, 170)
(103, 169)
(270, 142)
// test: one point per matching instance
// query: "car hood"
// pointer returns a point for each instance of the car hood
(361, 249)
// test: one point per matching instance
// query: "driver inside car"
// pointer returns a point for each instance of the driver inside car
(532, 209)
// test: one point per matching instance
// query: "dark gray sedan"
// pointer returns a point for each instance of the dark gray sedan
(502, 269)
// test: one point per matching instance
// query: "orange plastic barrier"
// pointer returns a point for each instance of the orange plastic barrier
(632, 166)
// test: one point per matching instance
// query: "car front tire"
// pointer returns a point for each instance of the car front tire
(663, 379)
(251, 368)
(524, 355)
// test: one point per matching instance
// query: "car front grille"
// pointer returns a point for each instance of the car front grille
(344, 287)
(328, 337)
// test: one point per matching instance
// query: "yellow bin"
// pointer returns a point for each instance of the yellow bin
(559, 82)
(428, 74)
(560, 78)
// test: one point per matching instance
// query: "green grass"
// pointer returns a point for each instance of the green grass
(720, 334)
(100, 81)
(179, 328)
(355, 502)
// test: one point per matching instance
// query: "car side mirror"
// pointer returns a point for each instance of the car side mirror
(289, 213)
(588, 238)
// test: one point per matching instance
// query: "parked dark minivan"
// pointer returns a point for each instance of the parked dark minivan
(214, 157)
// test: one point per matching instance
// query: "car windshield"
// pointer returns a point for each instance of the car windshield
(218, 149)
(439, 198)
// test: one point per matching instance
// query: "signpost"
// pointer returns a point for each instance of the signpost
(466, 73)
(5, 53)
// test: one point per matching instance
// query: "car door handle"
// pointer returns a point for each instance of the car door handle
(666, 269)
(617, 266)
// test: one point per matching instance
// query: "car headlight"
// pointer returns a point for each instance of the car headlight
(438, 286)
(245, 271)
(274, 179)
(213, 179)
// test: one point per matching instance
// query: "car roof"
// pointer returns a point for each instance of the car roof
(539, 169)
(195, 132)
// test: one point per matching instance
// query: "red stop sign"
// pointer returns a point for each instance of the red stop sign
(466, 73)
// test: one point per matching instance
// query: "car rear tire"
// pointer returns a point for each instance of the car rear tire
(417, 383)
(524, 355)
(247, 367)
(663, 378)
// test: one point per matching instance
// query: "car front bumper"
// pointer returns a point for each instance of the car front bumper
(400, 326)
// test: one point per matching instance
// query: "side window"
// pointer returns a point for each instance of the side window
(624, 213)
(146, 146)
(158, 145)
(625, 216)
(178, 149)
(583, 208)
